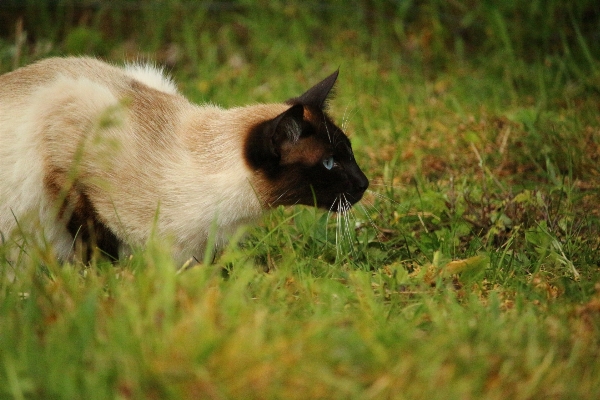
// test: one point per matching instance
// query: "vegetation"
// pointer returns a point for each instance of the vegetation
(470, 270)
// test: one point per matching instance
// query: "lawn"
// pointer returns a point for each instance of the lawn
(471, 269)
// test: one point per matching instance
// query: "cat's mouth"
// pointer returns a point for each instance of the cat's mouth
(357, 196)
(343, 201)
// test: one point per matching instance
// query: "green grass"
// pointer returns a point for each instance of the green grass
(478, 127)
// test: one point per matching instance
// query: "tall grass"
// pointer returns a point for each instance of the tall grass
(469, 270)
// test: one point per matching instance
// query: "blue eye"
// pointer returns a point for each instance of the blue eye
(328, 162)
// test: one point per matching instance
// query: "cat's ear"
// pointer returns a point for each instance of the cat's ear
(288, 126)
(317, 95)
(269, 141)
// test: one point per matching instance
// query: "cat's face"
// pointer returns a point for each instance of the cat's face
(304, 158)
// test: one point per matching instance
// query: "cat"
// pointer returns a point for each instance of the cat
(96, 157)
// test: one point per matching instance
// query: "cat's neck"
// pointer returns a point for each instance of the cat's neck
(203, 124)
(212, 141)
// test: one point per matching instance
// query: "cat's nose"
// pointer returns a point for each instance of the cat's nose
(363, 183)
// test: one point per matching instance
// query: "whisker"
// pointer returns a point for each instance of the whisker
(338, 230)
(346, 118)
(343, 226)
(346, 215)
(365, 211)
(327, 129)
(328, 216)
(366, 207)
(373, 224)
(387, 198)
(386, 185)
(280, 196)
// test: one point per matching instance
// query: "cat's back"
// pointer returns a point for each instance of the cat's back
(59, 99)
(25, 81)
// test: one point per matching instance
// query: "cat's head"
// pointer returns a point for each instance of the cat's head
(302, 157)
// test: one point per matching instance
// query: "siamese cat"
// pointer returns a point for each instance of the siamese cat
(94, 157)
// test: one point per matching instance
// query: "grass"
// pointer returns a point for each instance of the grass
(471, 269)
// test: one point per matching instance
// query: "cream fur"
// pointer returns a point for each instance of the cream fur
(152, 76)
(147, 154)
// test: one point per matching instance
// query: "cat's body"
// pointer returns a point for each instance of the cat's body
(109, 155)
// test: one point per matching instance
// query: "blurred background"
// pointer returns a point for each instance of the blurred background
(184, 34)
